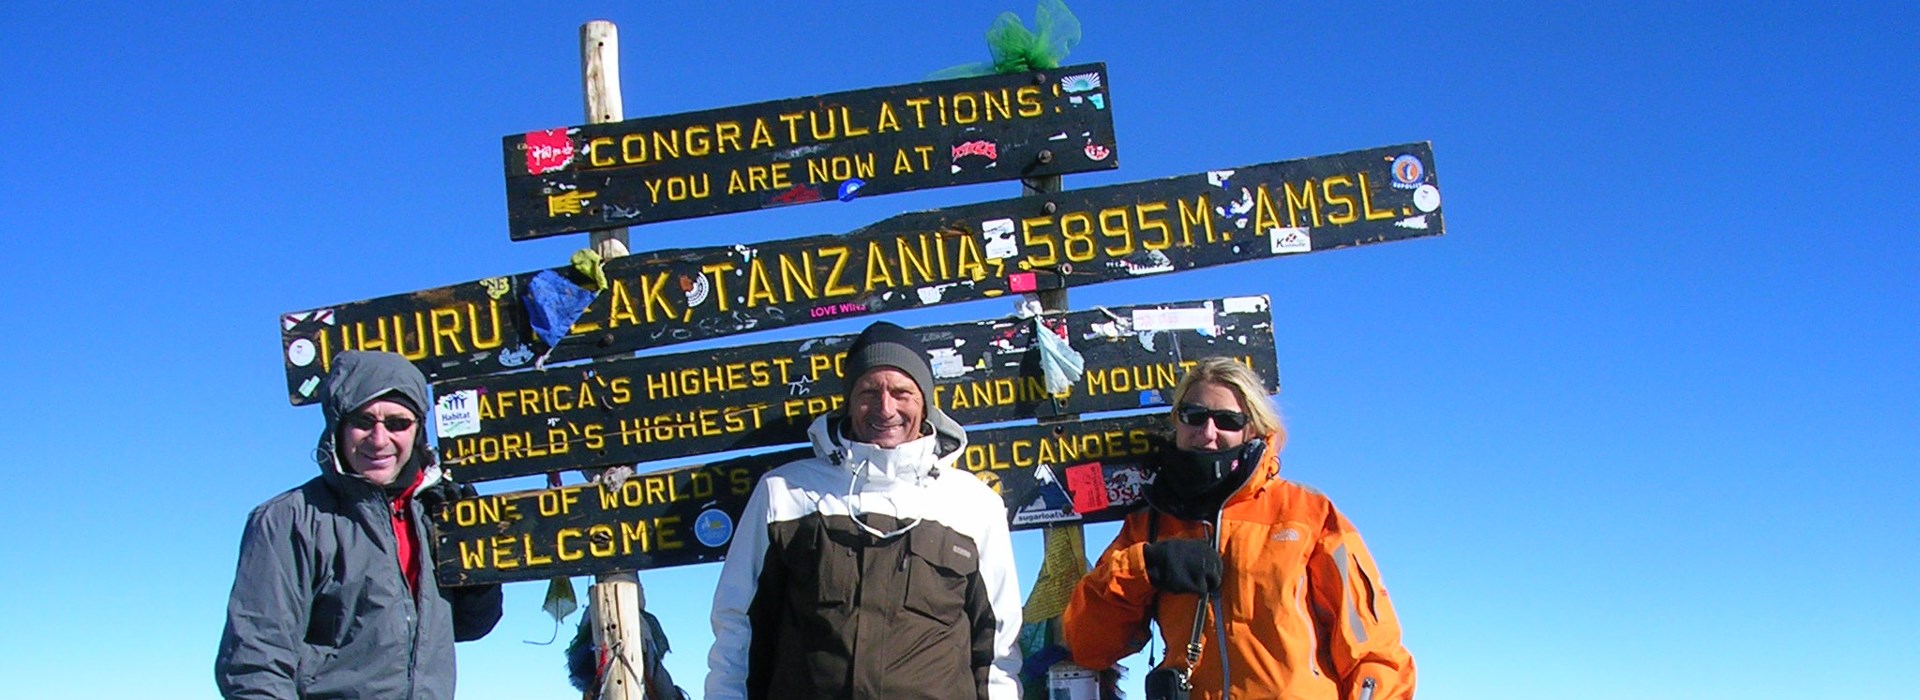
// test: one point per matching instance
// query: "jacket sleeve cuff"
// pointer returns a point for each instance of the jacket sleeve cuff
(1378, 681)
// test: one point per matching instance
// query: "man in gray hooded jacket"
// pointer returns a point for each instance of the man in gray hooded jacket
(335, 594)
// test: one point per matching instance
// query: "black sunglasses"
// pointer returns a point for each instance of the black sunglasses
(1197, 416)
(395, 424)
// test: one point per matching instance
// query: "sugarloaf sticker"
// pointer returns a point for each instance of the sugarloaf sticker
(548, 151)
(713, 527)
(457, 414)
(1050, 504)
(1408, 171)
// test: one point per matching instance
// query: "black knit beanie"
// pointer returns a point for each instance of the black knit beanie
(886, 345)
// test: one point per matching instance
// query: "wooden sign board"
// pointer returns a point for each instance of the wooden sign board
(1086, 471)
(941, 256)
(809, 149)
(665, 406)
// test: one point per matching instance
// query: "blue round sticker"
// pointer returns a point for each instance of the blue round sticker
(849, 188)
(713, 527)
(1408, 171)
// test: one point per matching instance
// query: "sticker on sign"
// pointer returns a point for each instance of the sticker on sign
(457, 414)
(1173, 319)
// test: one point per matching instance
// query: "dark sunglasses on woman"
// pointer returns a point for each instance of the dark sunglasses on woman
(1197, 416)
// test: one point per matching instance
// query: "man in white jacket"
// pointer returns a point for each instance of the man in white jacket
(876, 568)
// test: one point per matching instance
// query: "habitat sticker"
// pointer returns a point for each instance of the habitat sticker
(457, 414)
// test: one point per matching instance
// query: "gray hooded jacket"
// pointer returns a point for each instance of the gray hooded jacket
(319, 607)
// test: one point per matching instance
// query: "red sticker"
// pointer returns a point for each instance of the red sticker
(1089, 486)
(548, 151)
(1021, 282)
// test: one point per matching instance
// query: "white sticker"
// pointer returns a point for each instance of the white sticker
(1419, 222)
(1290, 240)
(1150, 262)
(698, 289)
(946, 363)
(1036, 513)
(1427, 198)
(930, 296)
(999, 238)
(457, 413)
(1172, 319)
(300, 352)
(1243, 305)
(1218, 178)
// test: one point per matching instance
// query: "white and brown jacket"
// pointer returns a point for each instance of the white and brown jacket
(866, 572)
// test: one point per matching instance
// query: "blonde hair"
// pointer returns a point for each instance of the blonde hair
(1262, 416)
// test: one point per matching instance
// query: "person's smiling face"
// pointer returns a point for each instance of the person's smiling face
(886, 408)
(1202, 403)
(372, 446)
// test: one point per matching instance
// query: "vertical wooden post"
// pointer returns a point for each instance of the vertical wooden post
(618, 633)
(600, 71)
(617, 598)
(1051, 299)
(1061, 540)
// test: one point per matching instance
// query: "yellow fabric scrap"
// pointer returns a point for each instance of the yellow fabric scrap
(1064, 563)
(588, 263)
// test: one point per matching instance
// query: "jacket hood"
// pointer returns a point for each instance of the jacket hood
(914, 460)
(359, 377)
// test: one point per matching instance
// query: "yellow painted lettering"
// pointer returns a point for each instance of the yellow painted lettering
(1028, 97)
(759, 288)
(727, 135)
(877, 267)
(714, 272)
(1351, 213)
(798, 274)
(593, 152)
(1198, 215)
(835, 287)
(1366, 201)
(1303, 200)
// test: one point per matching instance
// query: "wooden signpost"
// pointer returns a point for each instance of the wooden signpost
(665, 406)
(1086, 471)
(809, 149)
(1028, 244)
(495, 419)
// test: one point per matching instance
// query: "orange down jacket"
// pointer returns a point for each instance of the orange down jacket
(1308, 618)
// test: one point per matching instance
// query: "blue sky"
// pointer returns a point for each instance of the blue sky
(1643, 423)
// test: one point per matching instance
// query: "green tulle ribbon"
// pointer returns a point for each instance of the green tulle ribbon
(1015, 49)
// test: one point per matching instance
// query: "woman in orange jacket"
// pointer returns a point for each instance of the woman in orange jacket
(1225, 536)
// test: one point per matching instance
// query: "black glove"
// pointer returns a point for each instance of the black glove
(1183, 566)
(444, 492)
